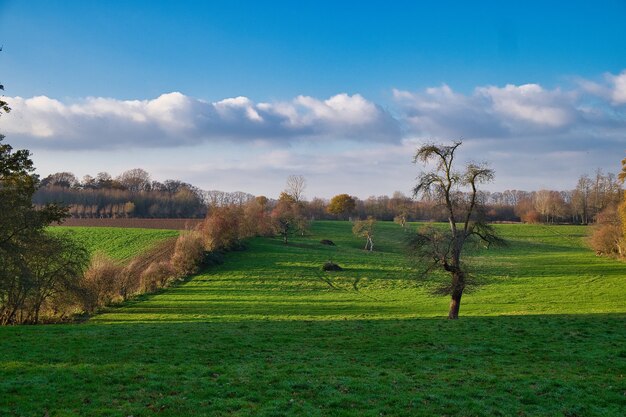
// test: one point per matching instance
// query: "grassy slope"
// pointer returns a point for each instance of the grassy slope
(263, 334)
(120, 244)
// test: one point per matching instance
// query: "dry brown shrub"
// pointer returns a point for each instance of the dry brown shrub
(256, 220)
(99, 284)
(530, 216)
(129, 281)
(156, 276)
(607, 237)
(607, 240)
(188, 253)
(222, 228)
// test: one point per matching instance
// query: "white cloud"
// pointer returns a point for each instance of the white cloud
(489, 112)
(174, 119)
(612, 89)
(531, 135)
(618, 94)
(531, 103)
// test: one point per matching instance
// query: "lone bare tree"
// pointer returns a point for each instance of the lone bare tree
(442, 248)
(295, 187)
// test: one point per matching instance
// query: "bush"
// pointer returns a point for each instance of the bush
(327, 242)
(99, 285)
(331, 266)
(222, 229)
(530, 216)
(607, 237)
(156, 276)
(256, 220)
(188, 253)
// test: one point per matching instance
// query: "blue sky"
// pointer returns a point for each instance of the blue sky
(339, 92)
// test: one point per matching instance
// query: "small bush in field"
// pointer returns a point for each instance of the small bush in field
(188, 253)
(331, 266)
(327, 242)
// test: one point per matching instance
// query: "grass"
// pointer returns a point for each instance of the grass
(119, 244)
(267, 333)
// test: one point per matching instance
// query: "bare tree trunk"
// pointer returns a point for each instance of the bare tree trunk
(458, 284)
(455, 305)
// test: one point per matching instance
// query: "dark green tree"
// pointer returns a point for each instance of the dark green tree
(22, 239)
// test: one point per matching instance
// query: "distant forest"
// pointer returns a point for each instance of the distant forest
(133, 194)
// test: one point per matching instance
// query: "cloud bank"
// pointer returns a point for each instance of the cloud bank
(174, 119)
(511, 112)
(590, 111)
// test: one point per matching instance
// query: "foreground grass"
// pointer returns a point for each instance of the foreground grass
(119, 244)
(494, 366)
(268, 334)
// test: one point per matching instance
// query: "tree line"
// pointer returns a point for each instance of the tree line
(134, 194)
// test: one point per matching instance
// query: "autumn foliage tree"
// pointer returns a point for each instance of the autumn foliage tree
(341, 205)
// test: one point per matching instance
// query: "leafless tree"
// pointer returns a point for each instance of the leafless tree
(296, 184)
(135, 180)
(441, 248)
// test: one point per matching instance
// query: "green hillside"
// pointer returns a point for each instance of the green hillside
(267, 333)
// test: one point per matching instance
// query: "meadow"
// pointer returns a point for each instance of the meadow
(268, 333)
(118, 244)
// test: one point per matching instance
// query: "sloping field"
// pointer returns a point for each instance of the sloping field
(120, 244)
(268, 334)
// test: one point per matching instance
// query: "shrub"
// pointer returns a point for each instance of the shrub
(222, 228)
(156, 276)
(331, 266)
(607, 237)
(99, 284)
(256, 219)
(188, 253)
(327, 242)
(530, 216)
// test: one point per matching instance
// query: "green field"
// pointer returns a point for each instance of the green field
(268, 334)
(119, 244)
